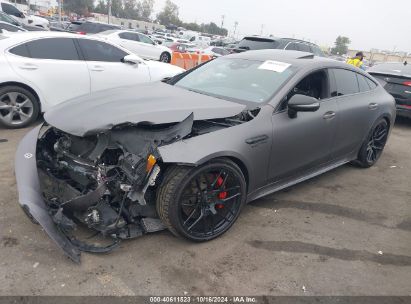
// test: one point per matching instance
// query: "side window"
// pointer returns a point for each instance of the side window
(53, 48)
(304, 48)
(314, 85)
(128, 36)
(371, 83)
(145, 39)
(10, 9)
(316, 51)
(362, 83)
(346, 82)
(94, 50)
(20, 50)
(292, 47)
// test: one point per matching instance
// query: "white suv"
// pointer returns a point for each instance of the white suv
(13, 11)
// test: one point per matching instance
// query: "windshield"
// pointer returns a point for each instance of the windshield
(238, 79)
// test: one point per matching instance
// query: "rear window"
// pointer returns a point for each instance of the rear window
(258, 44)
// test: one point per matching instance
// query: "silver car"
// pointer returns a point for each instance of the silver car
(186, 154)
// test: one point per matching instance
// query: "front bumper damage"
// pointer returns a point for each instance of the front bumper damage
(30, 197)
(104, 187)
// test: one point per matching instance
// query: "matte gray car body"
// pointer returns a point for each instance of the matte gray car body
(273, 150)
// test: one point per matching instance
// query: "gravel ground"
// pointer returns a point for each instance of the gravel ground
(347, 232)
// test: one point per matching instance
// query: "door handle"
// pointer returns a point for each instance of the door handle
(372, 106)
(97, 68)
(329, 115)
(29, 66)
(257, 139)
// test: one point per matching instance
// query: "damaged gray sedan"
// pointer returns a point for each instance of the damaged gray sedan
(186, 154)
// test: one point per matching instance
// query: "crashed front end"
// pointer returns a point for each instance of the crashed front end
(106, 181)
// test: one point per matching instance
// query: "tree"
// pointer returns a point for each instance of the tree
(145, 9)
(101, 7)
(169, 14)
(341, 45)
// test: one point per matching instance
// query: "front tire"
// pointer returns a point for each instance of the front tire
(201, 203)
(18, 107)
(165, 57)
(373, 145)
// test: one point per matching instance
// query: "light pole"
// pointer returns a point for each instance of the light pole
(222, 20)
(262, 27)
(60, 4)
(109, 11)
(235, 28)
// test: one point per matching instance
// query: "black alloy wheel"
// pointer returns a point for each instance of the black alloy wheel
(165, 57)
(202, 203)
(372, 148)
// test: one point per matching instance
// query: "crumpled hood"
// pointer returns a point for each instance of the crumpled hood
(153, 103)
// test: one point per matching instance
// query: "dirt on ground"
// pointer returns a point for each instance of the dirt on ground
(346, 232)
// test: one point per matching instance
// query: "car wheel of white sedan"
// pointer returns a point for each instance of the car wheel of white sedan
(18, 107)
(165, 57)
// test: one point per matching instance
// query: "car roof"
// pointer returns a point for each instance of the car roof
(296, 58)
(18, 37)
(273, 38)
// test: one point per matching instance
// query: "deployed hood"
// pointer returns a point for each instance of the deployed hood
(153, 103)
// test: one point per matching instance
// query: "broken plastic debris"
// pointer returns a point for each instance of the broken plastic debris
(380, 252)
(304, 289)
(36, 264)
(185, 293)
(62, 285)
(393, 166)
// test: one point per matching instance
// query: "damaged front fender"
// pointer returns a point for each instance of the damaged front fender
(30, 197)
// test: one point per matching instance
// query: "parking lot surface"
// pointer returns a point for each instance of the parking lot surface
(346, 232)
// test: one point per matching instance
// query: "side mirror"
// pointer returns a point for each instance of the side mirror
(302, 103)
(133, 59)
(21, 15)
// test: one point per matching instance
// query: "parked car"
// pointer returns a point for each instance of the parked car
(138, 43)
(11, 10)
(73, 26)
(214, 51)
(4, 26)
(186, 155)
(8, 19)
(259, 42)
(30, 62)
(91, 27)
(396, 78)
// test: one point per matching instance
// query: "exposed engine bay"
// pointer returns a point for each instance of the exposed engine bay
(108, 181)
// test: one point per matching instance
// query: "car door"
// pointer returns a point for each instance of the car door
(305, 142)
(355, 110)
(53, 66)
(151, 49)
(106, 66)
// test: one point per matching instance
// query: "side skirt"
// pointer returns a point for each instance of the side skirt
(279, 185)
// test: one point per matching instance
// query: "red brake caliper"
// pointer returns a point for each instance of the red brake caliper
(221, 195)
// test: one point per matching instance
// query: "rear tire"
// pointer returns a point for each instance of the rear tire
(165, 57)
(201, 203)
(18, 107)
(373, 145)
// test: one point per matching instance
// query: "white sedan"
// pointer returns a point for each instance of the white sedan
(138, 43)
(42, 69)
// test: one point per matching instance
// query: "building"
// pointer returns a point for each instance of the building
(129, 23)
